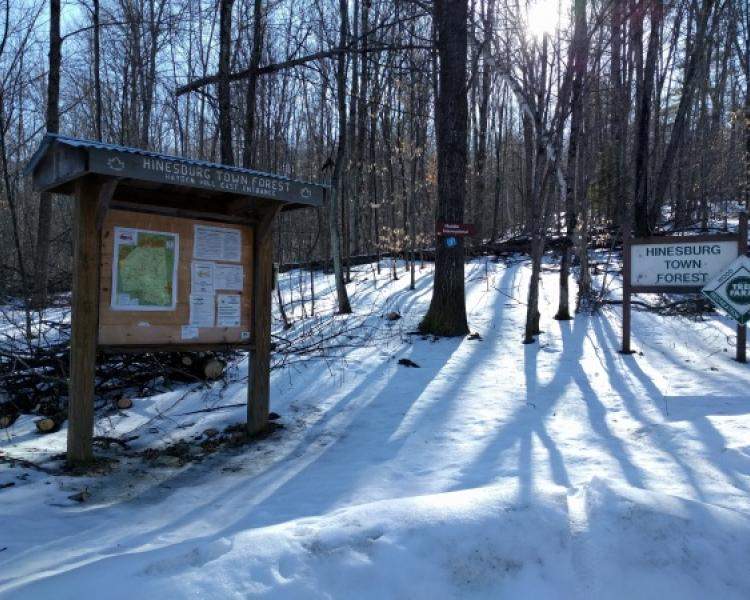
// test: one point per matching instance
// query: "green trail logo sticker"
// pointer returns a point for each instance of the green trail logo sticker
(730, 290)
(738, 290)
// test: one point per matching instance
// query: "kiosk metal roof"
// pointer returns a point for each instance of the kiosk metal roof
(61, 160)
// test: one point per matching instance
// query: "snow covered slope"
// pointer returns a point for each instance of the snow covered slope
(495, 470)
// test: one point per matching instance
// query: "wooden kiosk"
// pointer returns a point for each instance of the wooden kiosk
(169, 254)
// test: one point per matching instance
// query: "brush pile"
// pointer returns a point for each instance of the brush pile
(34, 373)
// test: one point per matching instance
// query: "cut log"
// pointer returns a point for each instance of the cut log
(7, 420)
(47, 425)
(213, 368)
(204, 365)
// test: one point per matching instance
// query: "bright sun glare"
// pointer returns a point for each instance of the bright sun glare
(543, 16)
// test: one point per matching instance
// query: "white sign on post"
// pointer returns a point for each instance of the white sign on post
(679, 264)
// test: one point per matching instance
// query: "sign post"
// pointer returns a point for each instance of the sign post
(679, 265)
(730, 290)
(626, 292)
(741, 327)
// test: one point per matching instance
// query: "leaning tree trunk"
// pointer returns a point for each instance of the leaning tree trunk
(447, 312)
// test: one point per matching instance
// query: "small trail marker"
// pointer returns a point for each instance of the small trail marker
(730, 291)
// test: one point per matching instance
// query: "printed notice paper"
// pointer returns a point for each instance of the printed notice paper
(228, 277)
(217, 243)
(202, 277)
(202, 310)
(189, 332)
(229, 310)
(144, 269)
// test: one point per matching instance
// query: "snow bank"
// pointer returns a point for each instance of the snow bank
(601, 541)
(639, 544)
(477, 542)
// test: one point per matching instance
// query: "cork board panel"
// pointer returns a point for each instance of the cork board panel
(165, 327)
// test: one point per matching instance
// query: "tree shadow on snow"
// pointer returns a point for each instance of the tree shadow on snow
(641, 396)
(529, 420)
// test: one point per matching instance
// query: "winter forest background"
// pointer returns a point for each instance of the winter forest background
(414, 447)
(581, 114)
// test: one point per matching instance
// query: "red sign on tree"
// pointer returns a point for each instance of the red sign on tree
(455, 229)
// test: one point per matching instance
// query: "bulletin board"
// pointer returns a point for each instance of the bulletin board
(171, 282)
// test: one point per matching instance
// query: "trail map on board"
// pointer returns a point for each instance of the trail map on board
(144, 270)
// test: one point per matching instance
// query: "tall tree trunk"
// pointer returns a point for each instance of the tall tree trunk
(484, 101)
(697, 55)
(618, 114)
(540, 169)
(44, 224)
(497, 126)
(336, 183)
(352, 180)
(360, 181)
(97, 73)
(224, 90)
(447, 312)
(10, 196)
(149, 80)
(644, 95)
(580, 60)
(584, 297)
(252, 85)
(747, 139)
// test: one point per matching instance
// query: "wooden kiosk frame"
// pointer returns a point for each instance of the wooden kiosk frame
(110, 182)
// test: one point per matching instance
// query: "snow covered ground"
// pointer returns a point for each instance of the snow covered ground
(495, 470)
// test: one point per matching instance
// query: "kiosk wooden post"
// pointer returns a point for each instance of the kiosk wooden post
(259, 382)
(84, 322)
(208, 225)
(91, 199)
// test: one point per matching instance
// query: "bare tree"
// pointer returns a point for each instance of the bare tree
(336, 183)
(41, 257)
(223, 88)
(447, 312)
